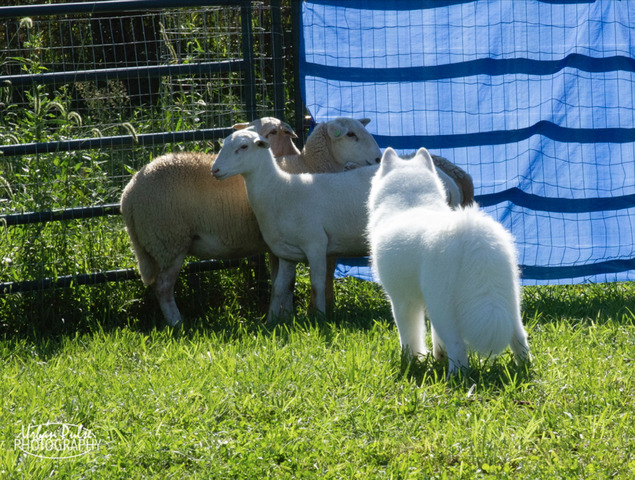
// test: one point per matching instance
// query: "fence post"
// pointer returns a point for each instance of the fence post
(277, 38)
(296, 19)
(247, 44)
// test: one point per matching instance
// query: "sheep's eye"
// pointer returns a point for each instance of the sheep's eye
(242, 147)
(273, 132)
(351, 135)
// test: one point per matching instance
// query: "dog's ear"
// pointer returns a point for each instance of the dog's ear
(389, 159)
(424, 157)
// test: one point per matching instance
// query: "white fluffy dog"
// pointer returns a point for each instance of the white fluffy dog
(459, 266)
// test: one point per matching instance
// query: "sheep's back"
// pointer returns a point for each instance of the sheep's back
(178, 202)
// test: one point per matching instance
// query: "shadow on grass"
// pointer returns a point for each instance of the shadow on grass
(230, 303)
(498, 374)
(220, 300)
(589, 302)
(233, 304)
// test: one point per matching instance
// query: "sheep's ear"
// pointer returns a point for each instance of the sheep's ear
(240, 126)
(336, 130)
(424, 157)
(262, 143)
(364, 121)
(286, 128)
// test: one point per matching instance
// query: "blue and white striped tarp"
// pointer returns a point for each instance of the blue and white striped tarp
(535, 99)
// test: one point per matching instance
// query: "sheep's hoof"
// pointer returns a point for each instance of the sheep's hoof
(175, 324)
(274, 319)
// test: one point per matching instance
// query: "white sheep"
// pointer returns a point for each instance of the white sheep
(301, 217)
(173, 207)
(345, 135)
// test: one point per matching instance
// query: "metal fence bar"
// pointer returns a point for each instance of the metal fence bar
(78, 213)
(110, 6)
(150, 71)
(107, 276)
(116, 141)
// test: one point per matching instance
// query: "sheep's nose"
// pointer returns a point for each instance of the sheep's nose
(215, 171)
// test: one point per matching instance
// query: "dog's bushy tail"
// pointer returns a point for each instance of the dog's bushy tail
(490, 326)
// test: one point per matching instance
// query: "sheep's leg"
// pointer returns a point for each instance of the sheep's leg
(273, 267)
(262, 275)
(164, 290)
(287, 295)
(329, 291)
(318, 267)
(331, 264)
(282, 292)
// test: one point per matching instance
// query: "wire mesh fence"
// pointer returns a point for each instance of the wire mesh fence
(89, 96)
(535, 100)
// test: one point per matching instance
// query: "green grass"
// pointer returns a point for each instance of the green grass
(225, 397)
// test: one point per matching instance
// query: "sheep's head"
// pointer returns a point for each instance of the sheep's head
(351, 144)
(240, 152)
(278, 133)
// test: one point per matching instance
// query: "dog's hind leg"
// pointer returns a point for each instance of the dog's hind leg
(410, 320)
(438, 348)
(519, 345)
(446, 338)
